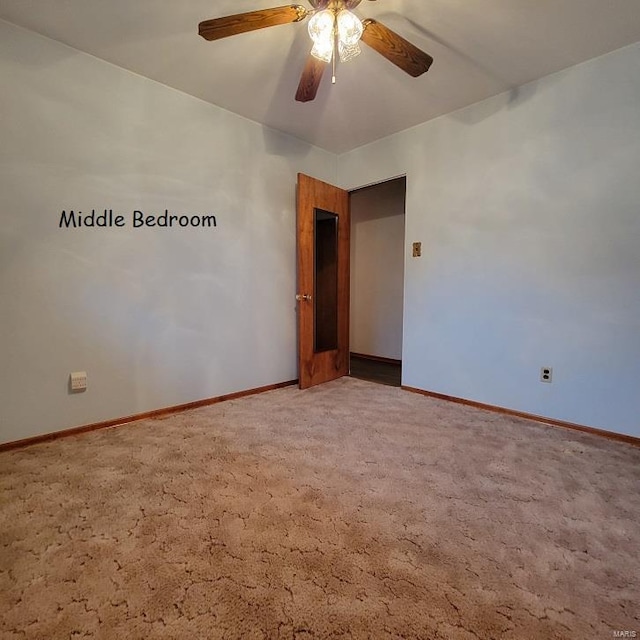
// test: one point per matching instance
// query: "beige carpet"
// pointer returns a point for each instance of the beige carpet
(351, 510)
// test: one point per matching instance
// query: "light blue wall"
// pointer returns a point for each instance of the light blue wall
(528, 208)
(156, 317)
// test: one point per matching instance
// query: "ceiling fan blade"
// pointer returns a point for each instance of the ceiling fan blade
(395, 48)
(310, 80)
(251, 21)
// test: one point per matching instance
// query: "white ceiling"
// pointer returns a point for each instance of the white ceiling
(480, 47)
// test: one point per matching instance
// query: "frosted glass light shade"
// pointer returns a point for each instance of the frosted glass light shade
(322, 29)
(321, 26)
(348, 52)
(349, 28)
(323, 51)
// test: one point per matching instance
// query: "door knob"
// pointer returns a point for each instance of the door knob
(303, 296)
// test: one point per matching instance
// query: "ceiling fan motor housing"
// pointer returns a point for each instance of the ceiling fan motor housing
(334, 5)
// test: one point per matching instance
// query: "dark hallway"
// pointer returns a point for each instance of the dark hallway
(376, 370)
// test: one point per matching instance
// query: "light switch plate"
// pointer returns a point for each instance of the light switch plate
(78, 380)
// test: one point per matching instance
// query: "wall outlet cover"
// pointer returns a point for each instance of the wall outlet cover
(546, 374)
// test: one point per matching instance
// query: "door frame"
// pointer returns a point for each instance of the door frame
(339, 364)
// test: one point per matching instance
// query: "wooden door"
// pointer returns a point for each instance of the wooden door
(323, 281)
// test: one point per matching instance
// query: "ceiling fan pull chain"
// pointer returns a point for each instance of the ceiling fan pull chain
(333, 58)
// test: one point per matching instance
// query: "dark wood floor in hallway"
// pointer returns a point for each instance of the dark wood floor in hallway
(376, 370)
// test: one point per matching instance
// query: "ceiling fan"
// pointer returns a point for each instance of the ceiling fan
(335, 31)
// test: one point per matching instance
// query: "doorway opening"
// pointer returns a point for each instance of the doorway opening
(377, 281)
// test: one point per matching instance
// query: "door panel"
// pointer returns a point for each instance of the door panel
(323, 228)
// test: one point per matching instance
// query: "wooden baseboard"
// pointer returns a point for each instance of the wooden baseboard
(241, 394)
(620, 437)
(375, 358)
(117, 422)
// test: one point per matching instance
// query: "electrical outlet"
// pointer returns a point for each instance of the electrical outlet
(417, 249)
(78, 380)
(546, 374)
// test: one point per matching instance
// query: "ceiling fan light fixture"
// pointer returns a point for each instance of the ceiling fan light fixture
(326, 27)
